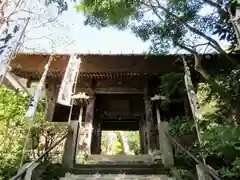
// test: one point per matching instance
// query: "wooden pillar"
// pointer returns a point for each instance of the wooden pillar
(157, 145)
(70, 147)
(51, 90)
(96, 137)
(89, 123)
(144, 130)
(164, 142)
(149, 122)
(99, 135)
(93, 140)
(141, 136)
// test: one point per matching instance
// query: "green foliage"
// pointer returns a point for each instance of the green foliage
(116, 147)
(185, 174)
(61, 4)
(163, 29)
(224, 27)
(14, 131)
(103, 13)
(222, 141)
(220, 137)
(164, 23)
(212, 108)
(179, 126)
(172, 84)
(134, 142)
(13, 106)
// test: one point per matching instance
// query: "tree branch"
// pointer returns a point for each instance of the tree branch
(213, 42)
(211, 3)
(198, 61)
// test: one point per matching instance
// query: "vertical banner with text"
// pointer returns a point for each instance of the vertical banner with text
(69, 79)
(34, 100)
(10, 38)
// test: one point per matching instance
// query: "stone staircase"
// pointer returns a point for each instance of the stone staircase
(116, 177)
(118, 167)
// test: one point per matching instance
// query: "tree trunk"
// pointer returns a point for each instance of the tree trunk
(124, 139)
(110, 139)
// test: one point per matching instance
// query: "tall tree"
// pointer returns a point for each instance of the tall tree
(170, 21)
(169, 24)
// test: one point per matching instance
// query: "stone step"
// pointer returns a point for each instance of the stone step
(119, 165)
(121, 158)
(69, 176)
(119, 169)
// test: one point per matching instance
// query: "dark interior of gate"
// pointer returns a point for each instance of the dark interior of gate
(119, 111)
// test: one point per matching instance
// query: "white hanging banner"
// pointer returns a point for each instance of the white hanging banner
(190, 90)
(10, 39)
(69, 79)
(192, 97)
(34, 100)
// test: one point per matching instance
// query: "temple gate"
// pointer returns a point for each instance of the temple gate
(122, 96)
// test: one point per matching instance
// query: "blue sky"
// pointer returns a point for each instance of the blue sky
(69, 35)
(73, 37)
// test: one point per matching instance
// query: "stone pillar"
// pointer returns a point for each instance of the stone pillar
(202, 174)
(89, 123)
(71, 143)
(69, 153)
(79, 132)
(164, 142)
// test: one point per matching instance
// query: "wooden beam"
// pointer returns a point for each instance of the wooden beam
(111, 90)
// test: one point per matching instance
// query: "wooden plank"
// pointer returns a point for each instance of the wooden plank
(99, 63)
(111, 90)
(114, 63)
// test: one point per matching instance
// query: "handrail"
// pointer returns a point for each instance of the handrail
(39, 158)
(206, 168)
